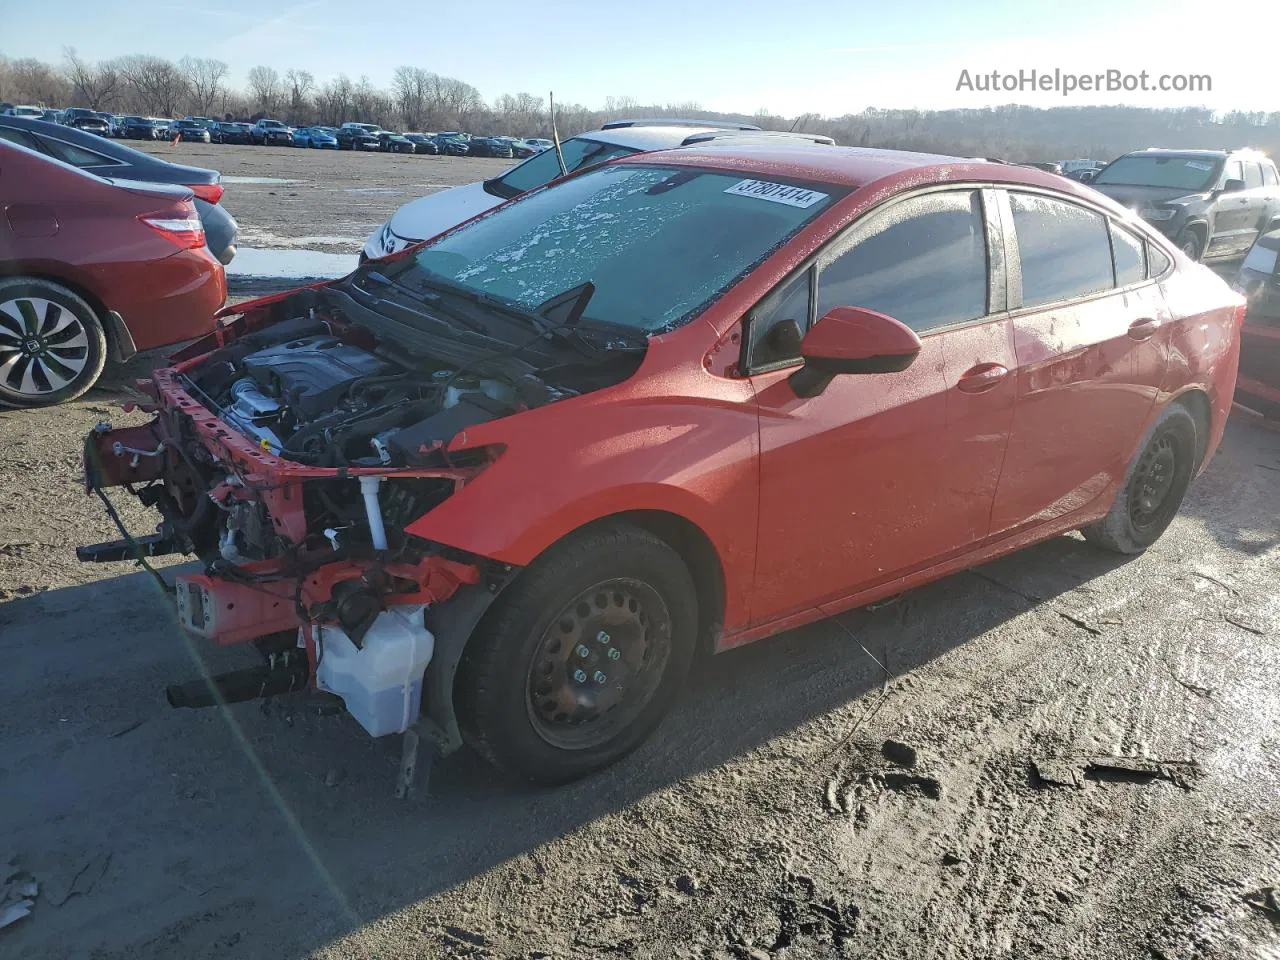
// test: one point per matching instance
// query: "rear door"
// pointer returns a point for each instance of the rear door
(885, 473)
(1255, 199)
(1232, 214)
(1091, 350)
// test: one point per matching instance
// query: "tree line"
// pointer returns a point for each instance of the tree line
(419, 99)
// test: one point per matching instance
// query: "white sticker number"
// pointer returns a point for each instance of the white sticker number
(776, 193)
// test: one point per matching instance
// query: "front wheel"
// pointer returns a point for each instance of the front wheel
(1154, 486)
(52, 345)
(580, 658)
(1190, 244)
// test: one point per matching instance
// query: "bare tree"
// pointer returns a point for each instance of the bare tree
(34, 82)
(204, 81)
(94, 84)
(300, 83)
(333, 102)
(155, 85)
(264, 88)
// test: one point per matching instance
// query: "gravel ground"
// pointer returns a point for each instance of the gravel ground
(801, 801)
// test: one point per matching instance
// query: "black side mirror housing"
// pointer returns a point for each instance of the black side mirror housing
(1233, 186)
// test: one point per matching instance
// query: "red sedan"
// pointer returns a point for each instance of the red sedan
(91, 269)
(679, 402)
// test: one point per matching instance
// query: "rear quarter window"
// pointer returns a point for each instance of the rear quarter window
(1130, 254)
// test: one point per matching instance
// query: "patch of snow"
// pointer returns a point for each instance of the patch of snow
(267, 180)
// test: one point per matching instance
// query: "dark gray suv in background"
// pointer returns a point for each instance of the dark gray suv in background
(1211, 203)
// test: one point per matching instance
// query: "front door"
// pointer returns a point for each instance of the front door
(885, 473)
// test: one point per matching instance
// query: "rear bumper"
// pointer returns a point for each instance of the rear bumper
(172, 299)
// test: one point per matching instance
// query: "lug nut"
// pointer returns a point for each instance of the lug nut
(580, 676)
(614, 653)
(602, 637)
(599, 677)
(582, 650)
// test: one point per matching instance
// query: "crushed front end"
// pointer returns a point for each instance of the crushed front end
(289, 451)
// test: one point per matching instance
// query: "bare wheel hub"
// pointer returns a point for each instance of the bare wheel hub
(1152, 481)
(598, 663)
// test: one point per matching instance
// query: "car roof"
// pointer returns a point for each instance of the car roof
(856, 166)
(666, 136)
(1166, 152)
(112, 149)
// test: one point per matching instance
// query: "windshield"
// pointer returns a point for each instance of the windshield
(271, 123)
(659, 243)
(1181, 173)
(541, 168)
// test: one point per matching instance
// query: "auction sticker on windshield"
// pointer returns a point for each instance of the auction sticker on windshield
(776, 193)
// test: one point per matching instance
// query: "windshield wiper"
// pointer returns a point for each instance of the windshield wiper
(437, 282)
(428, 299)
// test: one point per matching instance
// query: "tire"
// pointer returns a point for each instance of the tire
(1189, 242)
(614, 591)
(52, 344)
(1154, 486)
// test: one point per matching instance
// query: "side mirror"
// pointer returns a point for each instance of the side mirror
(1088, 176)
(852, 340)
(1233, 186)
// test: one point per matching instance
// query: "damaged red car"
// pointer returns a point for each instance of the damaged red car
(502, 488)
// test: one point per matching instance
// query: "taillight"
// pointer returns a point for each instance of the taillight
(208, 192)
(186, 233)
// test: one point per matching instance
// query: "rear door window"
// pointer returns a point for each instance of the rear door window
(20, 137)
(1065, 249)
(1252, 175)
(922, 261)
(1269, 175)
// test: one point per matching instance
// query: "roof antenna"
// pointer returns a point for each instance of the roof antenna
(555, 137)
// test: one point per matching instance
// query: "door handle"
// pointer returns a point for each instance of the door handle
(1143, 329)
(983, 377)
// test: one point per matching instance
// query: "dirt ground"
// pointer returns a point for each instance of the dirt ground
(801, 802)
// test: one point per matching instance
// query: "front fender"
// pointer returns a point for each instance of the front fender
(695, 458)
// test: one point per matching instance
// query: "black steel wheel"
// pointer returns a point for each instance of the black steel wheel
(1154, 485)
(580, 657)
(599, 664)
(52, 345)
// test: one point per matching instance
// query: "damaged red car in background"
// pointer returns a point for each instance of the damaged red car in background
(501, 488)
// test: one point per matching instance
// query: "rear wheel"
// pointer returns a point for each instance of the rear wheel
(1154, 486)
(52, 345)
(580, 657)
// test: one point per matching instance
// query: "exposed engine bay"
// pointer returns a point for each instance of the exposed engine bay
(338, 381)
(321, 400)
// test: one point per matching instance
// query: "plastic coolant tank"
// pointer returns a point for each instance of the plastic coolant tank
(380, 681)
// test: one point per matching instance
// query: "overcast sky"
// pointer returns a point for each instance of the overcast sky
(829, 56)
